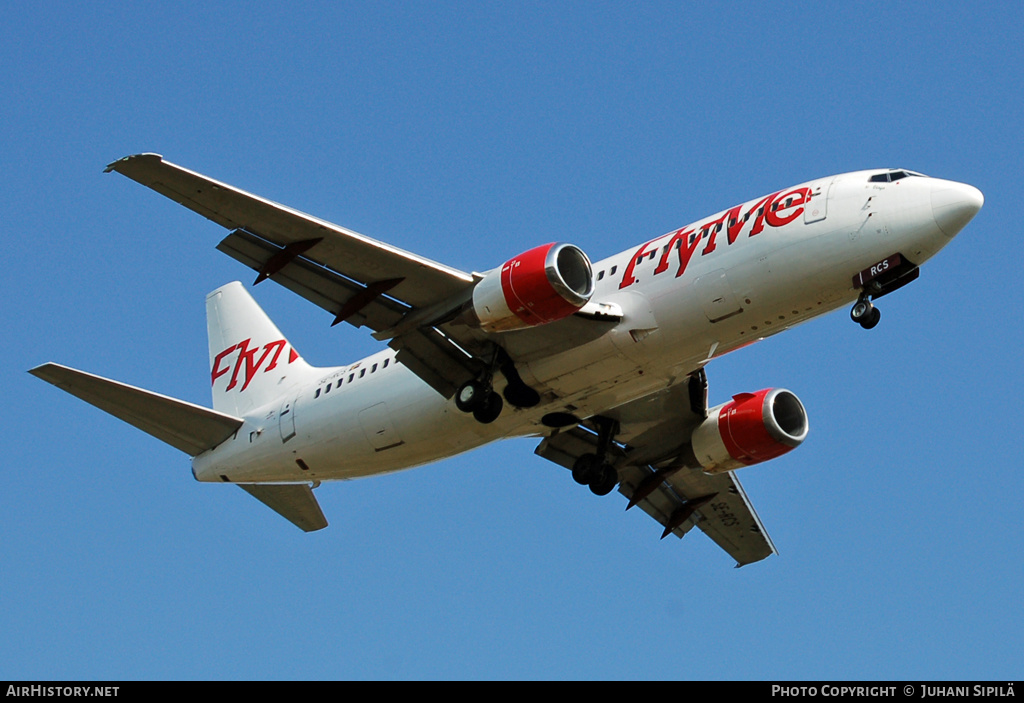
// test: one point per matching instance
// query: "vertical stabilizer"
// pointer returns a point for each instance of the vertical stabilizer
(251, 363)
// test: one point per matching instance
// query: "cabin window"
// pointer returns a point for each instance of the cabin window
(317, 394)
(350, 377)
(386, 363)
(600, 275)
(374, 369)
(362, 372)
(328, 389)
(612, 272)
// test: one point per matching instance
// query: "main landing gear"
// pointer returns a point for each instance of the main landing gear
(864, 313)
(479, 397)
(592, 469)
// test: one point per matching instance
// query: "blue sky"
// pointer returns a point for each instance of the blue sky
(467, 132)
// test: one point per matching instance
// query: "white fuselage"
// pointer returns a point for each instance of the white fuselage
(743, 275)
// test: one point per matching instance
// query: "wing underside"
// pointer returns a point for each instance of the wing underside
(652, 455)
(402, 297)
(420, 281)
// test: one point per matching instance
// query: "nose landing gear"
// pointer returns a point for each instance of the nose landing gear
(864, 313)
(880, 279)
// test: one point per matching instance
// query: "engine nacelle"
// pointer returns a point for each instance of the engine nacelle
(539, 286)
(749, 429)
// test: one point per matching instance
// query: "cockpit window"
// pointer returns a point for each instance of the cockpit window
(894, 175)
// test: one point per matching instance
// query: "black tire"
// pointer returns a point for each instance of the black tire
(470, 396)
(871, 320)
(489, 410)
(605, 480)
(861, 311)
(584, 468)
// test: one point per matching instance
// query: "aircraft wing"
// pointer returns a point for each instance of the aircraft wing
(355, 278)
(648, 453)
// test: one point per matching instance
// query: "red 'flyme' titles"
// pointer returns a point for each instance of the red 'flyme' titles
(776, 210)
(247, 360)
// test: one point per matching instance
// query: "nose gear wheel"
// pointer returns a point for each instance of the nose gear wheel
(864, 313)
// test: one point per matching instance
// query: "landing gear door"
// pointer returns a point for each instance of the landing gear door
(816, 208)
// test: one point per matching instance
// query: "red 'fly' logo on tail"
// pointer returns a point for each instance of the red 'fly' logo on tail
(247, 361)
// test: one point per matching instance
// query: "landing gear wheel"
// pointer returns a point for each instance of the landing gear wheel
(489, 410)
(872, 319)
(471, 395)
(584, 469)
(861, 311)
(604, 481)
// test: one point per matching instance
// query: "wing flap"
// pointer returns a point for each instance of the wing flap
(317, 284)
(293, 501)
(728, 518)
(436, 359)
(351, 254)
(191, 428)
(565, 447)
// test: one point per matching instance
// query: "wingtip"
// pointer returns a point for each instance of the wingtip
(40, 371)
(113, 165)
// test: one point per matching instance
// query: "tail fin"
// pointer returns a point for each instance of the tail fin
(251, 363)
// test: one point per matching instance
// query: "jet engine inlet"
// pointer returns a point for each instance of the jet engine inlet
(539, 286)
(750, 429)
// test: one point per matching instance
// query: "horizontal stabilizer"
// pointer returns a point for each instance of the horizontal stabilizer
(191, 428)
(293, 501)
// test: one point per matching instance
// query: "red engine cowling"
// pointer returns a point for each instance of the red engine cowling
(539, 286)
(749, 429)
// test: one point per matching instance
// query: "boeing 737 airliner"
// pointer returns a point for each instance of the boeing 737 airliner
(602, 362)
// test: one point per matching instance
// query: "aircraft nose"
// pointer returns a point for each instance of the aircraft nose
(954, 204)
